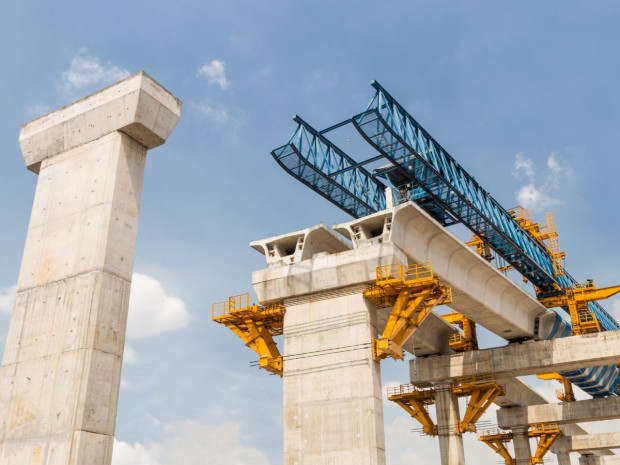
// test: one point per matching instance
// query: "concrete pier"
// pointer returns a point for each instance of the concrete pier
(521, 443)
(594, 460)
(61, 369)
(450, 442)
(563, 458)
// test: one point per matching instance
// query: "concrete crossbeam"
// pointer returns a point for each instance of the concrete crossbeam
(61, 367)
(529, 358)
(600, 409)
(594, 460)
(590, 442)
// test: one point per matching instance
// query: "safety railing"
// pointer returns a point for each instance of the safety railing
(398, 272)
(234, 302)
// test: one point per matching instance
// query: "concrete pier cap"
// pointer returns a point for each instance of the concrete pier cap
(137, 106)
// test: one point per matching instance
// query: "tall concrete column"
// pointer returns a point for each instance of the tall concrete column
(521, 443)
(61, 369)
(333, 410)
(450, 442)
(563, 458)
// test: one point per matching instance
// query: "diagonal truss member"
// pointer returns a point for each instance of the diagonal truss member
(412, 292)
(482, 391)
(255, 325)
(497, 441)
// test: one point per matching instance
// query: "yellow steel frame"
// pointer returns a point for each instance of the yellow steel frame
(547, 434)
(482, 248)
(255, 325)
(497, 440)
(412, 292)
(565, 395)
(414, 401)
(583, 319)
(466, 341)
(482, 391)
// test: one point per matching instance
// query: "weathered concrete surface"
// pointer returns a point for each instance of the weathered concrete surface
(563, 458)
(593, 460)
(589, 442)
(60, 373)
(605, 408)
(521, 444)
(528, 358)
(332, 395)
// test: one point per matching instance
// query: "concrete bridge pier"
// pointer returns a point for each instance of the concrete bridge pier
(61, 368)
(521, 443)
(563, 458)
(450, 441)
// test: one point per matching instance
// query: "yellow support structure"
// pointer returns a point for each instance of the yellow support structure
(482, 248)
(565, 395)
(482, 391)
(497, 440)
(412, 292)
(583, 319)
(547, 434)
(414, 401)
(462, 342)
(255, 325)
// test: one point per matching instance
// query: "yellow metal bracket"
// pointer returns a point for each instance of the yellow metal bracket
(547, 434)
(412, 292)
(482, 391)
(255, 325)
(462, 342)
(565, 395)
(583, 319)
(497, 440)
(414, 401)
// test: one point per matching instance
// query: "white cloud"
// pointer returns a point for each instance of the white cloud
(214, 112)
(535, 195)
(130, 356)
(87, 74)
(189, 442)
(215, 72)
(7, 297)
(151, 310)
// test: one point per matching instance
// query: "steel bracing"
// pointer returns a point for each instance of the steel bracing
(421, 170)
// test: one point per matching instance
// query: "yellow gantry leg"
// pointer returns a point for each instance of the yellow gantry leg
(482, 391)
(412, 291)
(255, 325)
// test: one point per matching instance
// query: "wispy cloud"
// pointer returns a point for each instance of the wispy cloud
(37, 109)
(215, 112)
(191, 442)
(7, 297)
(86, 74)
(537, 194)
(215, 72)
(152, 310)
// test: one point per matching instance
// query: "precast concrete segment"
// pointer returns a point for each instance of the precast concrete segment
(316, 259)
(479, 291)
(604, 408)
(528, 358)
(590, 442)
(61, 367)
(450, 441)
(332, 395)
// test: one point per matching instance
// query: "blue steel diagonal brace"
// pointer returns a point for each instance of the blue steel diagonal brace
(393, 132)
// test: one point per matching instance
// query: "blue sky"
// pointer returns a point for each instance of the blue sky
(524, 95)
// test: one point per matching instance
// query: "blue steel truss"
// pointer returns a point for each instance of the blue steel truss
(423, 171)
(404, 142)
(315, 161)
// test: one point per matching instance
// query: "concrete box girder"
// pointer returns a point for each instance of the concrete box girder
(589, 442)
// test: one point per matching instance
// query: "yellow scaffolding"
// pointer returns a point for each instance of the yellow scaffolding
(255, 325)
(415, 401)
(545, 433)
(497, 441)
(412, 292)
(565, 395)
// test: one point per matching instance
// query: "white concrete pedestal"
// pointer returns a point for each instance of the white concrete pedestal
(450, 442)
